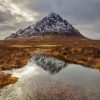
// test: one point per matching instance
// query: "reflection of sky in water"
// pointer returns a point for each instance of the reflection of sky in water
(79, 76)
(28, 69)
(75, 75)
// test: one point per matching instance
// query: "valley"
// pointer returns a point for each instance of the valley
(15, 53)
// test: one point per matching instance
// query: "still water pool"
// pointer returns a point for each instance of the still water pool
(47, 78)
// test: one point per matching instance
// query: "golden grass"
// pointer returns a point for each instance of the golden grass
(6, 79)
(16, 53)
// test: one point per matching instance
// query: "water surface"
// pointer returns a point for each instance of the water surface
(47, 78)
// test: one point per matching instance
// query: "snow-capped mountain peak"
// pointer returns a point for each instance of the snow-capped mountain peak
(51, 23)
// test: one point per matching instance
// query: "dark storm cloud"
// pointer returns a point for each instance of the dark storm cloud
(82, 10)
(6, 17)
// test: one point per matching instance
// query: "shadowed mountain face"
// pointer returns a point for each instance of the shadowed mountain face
(49, 25)
(48, 63)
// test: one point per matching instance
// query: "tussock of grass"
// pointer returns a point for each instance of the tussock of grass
(6, 79)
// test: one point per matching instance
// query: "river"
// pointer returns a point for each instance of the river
(47, 78)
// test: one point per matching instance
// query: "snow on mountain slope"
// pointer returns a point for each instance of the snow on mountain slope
(51, 23)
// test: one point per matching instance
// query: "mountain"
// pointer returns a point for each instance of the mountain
(52, 23)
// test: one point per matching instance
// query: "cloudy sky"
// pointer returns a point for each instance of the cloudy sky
(82, 14)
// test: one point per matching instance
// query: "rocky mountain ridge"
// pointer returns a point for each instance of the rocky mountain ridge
(52, 23)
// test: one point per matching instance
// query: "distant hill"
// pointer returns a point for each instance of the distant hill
(49, 25)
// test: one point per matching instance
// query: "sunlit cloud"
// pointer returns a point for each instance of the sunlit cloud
(19, 12)
(25, 14)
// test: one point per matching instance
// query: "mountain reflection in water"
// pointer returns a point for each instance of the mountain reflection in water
(48, 63)
(47, 78)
